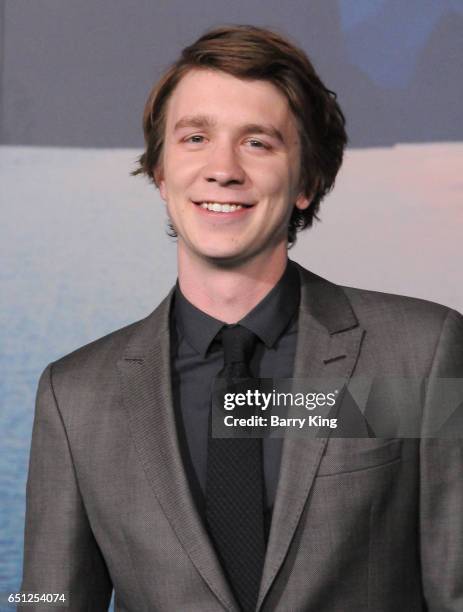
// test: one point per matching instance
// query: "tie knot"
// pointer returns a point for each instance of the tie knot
(238, 344)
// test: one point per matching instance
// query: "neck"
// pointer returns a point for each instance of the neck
(229, 293)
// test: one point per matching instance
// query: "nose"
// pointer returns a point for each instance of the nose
(223, 166)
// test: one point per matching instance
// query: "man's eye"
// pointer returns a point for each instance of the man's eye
(257, 144)
(195, 139)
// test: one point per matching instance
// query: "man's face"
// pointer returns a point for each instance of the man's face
(232, 146)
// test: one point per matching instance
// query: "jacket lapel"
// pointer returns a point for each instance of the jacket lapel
(147, 396)
(328, 345)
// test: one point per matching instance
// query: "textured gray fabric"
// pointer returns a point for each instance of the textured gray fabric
(366, 524)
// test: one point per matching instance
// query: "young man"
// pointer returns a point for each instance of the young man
(128, 489)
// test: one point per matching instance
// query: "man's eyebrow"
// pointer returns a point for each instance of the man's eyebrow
(196, 121)
(260, 128)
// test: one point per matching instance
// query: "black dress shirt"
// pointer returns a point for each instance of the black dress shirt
(197, 358)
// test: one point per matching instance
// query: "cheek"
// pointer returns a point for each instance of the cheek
(276, 186)
(180, 174)
(272, 179)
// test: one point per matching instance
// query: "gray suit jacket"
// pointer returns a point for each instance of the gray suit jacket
(358, 524)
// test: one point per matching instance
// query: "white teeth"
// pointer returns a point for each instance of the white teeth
(216, 207)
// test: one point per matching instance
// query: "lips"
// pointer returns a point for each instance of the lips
(222, 207)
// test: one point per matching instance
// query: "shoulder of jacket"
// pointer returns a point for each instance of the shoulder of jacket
(397, 310)
(100, 350)
(370, 307)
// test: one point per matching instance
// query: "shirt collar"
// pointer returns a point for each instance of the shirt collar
(268, 319)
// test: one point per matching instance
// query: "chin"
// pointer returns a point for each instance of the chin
(228, 259)
(222, 258)
(218, 251)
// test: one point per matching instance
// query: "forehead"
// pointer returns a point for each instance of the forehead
(229, 100)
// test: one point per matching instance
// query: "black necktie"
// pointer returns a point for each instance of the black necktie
(234, 486)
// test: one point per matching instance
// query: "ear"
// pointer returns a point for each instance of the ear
(158, 176)
(303, 201)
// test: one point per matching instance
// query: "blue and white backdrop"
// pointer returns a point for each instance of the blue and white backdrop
(84, 248)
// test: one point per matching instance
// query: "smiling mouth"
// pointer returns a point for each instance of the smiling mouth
(222, 207)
